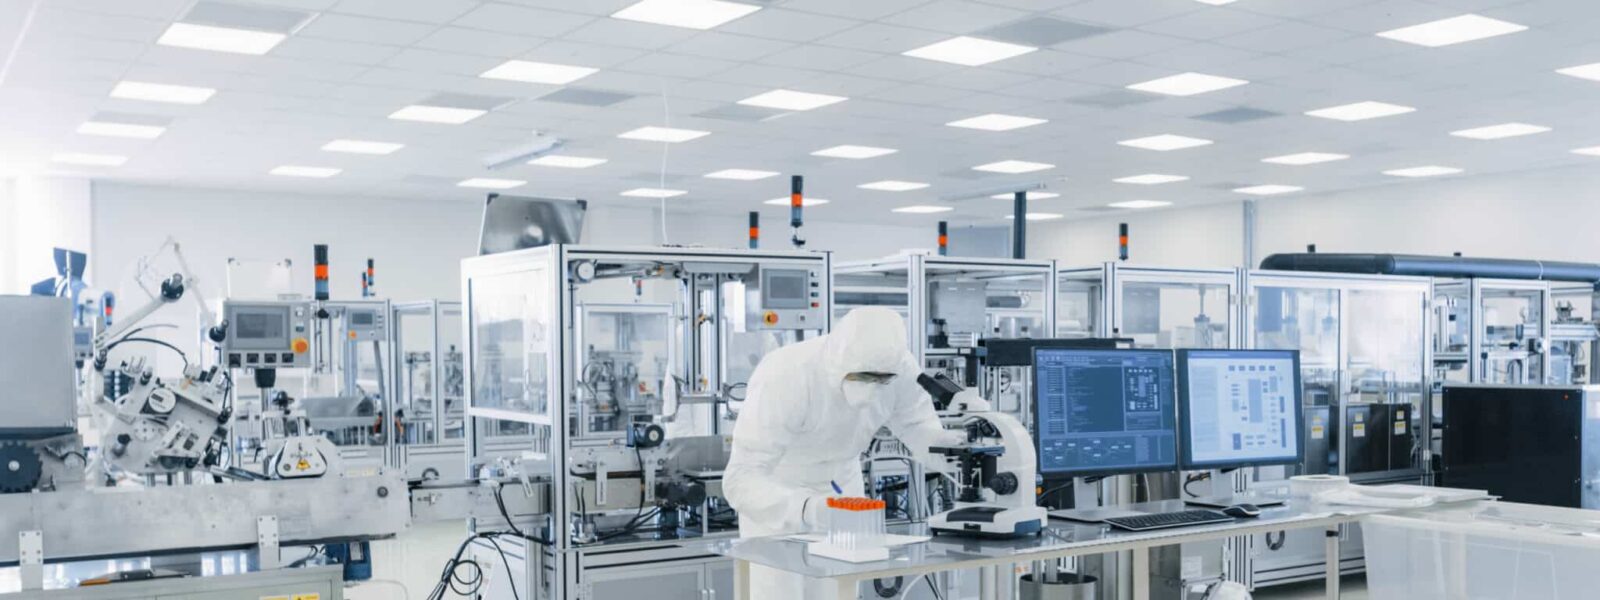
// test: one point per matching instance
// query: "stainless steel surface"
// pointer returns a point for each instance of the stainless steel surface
(122, 522)
(36, 365)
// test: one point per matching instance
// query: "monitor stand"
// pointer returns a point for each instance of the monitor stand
(1093, 515)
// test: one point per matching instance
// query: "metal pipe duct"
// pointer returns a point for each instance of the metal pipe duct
(1435, 266)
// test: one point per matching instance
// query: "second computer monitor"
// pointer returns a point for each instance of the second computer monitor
(1102, 412)
(1239, 408)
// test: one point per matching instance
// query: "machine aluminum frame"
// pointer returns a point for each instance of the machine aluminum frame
(443, 449)
(567, 565)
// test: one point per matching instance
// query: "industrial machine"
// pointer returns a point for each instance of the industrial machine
(430, 391)
(1531, 444)
(997, 466)
(601, 387)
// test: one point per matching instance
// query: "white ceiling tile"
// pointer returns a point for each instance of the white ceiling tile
(878, 37)
(1284, 37)
(631, 34)
(524, 21)
(821, 58)
(1118, 74)
(1349, 50)
(588, 7)
(1046, 88)
(1299, 9)
(1393, 14)
(916, 93)
(676, 65)
(52, 19)
(956, 16)
(1128, 13)
(596, 56)
(1200, 57)
(762, 75)
(1127, 43)
(980, 79)
(336, 51)
(1210, 23)
(902, 68)
(788, 25)
(484, 43)
(715, 44)
(1048, 62)
(431, 11)
(716, 90)
(366, 29)
(152, 9)
(867, 11)
(417, 59)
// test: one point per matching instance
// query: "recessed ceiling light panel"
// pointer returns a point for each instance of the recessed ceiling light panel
(997, 122)
(1454, 30)
(1428, 171)
(741, 174)
(892, 185)
(304, 171)
(1151, 179)
(1305, 158)
(437, 114)
(653, 193)
(689, 14)
(792, 100)
(1165, 142)
(490, 183)
(923, 209)
(854, 152)
(1140, 204)
(1187, 84)
(663, 134)
(1501, 131)
(161, 92)
(1360, 111)
(969, 51)
(1013, 167)
(1590, 151)
(528, 71)
(220, 39)
(567, 162)
(1590, 71)
(362, 147)
(1268, 189)
(1037, 216)
(124, 126)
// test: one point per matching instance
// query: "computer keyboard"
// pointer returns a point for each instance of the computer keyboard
(1182, 518)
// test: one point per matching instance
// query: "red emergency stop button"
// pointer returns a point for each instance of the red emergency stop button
(770, 318)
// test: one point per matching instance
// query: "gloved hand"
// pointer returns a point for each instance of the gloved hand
(811, 515)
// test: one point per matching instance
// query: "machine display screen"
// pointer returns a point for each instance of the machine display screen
(362, 318)
(1104, 411)
(259, 328)
(1239, 408)
(785, 288)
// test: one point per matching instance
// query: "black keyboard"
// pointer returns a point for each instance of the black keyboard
(1182, 518)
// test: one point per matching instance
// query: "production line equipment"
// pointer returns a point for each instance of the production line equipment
(602, 384)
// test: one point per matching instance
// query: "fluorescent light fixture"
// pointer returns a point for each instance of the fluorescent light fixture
(304, 171)
(791, 100)
(854, 152)
(740, 174)
(1268, 189)
(1503, 130)
(437, 114)
(1030, 196)
(1216, 2)
(806, 201)
(923, 209)
(1360, 111)
(567, 162)
(528, 71)
(220, 39)
(122, 130)
(1305, 158)
(1428, 171)
(1187, 84)
(653, 193)
(161, 92)
(1453, 30)
(969, 51)
(489, 183)
(1151, 179)
(892, 185)
(997, 122)
(362, 147)
(1036, 216)
(1140, 204)
(663, 134)
(1590, 71)
(691, 14)
(1165, 142)
(1590, 151)
(89, 160)
(1013, 167)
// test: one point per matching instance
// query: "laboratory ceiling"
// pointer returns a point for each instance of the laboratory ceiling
(974, 99)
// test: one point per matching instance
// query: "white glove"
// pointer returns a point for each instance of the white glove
(811, 515)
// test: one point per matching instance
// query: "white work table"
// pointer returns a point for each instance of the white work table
(1061, 539)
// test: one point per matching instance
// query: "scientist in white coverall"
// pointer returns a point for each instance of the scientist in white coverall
(811, 410)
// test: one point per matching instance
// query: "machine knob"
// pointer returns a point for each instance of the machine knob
(1004, 484)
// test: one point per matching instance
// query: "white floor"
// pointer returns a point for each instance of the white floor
(1353, 587)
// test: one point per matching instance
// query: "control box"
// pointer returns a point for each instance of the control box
(365, 324)
(786, 298)
(267, 335)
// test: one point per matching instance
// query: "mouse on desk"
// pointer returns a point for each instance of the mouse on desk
(1242, 511)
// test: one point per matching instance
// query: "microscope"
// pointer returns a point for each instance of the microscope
(997, 467)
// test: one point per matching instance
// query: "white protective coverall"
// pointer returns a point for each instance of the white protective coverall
(803, 427)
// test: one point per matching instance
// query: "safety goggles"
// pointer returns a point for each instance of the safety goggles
(869, 377)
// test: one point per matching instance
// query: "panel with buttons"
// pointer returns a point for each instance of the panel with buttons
(786, 298)
(267, 334)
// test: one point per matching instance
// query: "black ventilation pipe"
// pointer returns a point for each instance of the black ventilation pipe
(1435, 266)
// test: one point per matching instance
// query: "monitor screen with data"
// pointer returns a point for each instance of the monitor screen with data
(1239, 408)
(1104, 411)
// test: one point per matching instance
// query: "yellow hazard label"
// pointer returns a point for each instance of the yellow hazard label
(1359, 430)
(308, 597)
(1400, 428)
(1316, 432)
(274, 598)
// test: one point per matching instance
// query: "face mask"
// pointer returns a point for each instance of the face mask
(860, 394)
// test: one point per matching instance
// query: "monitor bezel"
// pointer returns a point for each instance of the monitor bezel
(1185, 444)
(1033, 374)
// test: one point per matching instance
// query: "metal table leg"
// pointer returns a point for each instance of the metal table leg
(1141, 574)
(847, 589)
(741, 580)
(1331, 565)
(987, 582)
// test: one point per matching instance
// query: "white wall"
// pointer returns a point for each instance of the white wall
(1199, 237)
(38, 215)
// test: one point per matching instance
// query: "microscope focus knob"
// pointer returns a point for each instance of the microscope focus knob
(1004, 484)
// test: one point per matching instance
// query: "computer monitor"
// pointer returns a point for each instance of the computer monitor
(1239, 408)
(1104, 411)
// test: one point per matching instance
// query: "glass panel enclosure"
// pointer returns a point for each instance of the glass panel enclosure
(1511, 332)
(1080, 304)
(429, 405)
(624, 355)
(1452, 331)
(511, 342)
(1572, 333)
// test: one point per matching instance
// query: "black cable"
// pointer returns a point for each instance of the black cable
(501, 502)
(469, 583)
(1192, 478)
(929, 578)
